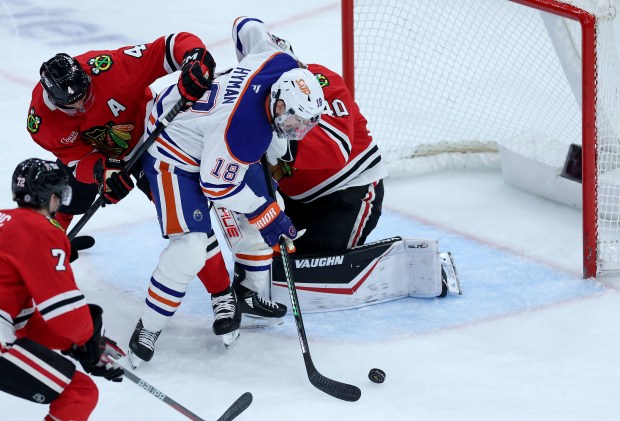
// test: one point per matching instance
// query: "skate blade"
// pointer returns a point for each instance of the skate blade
(134, 360)
(230, 339)
(256, 322)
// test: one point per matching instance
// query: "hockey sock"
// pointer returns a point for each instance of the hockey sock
(76, 402)
(214, 275)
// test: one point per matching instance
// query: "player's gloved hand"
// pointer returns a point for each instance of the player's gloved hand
(196, 74)
(99, 354)
(272, 223)
(114, 182)
(106, 366)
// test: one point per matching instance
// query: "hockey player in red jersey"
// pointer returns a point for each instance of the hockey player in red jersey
(89, 110)
(335, 172)
(41, 308)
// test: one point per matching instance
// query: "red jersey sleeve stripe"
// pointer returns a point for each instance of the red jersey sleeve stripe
(61, 304)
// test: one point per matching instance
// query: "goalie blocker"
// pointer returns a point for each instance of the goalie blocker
(380, 271)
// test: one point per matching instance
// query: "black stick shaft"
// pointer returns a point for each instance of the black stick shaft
(161, 126)
(344, 391)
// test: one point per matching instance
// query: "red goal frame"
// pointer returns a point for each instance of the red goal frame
(589, 132)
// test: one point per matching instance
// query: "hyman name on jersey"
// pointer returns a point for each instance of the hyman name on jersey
(323, 261)
(233, 87)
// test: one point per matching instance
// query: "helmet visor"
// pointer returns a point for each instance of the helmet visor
(294, 127)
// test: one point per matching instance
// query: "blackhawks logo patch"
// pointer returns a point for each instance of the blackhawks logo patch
(323, 81)
(111, 140)
(101, 63)
(56, 223)
(34, 122)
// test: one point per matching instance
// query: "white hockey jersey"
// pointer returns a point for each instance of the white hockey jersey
(229, 128)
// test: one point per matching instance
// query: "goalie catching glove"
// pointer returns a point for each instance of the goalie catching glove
(114, 182)
(196, 74)
(99, 354)
(272, 223)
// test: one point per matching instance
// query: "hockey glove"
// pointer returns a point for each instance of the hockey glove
(196, 74)
(99, 354)
(114, 182)
(273, 223)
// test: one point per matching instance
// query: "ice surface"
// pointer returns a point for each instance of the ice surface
(529, 339)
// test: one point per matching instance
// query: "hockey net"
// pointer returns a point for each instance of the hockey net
(446, 84)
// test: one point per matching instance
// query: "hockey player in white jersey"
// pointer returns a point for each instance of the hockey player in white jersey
(332, 268)
(210, 152)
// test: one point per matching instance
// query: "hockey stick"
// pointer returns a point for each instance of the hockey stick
(161, 126)
(231, 413)
(344, 391)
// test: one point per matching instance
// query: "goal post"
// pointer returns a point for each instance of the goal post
(483, 77)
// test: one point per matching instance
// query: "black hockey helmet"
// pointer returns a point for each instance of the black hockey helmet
(64, 80)
(36, 180)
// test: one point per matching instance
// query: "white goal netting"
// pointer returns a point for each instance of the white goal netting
(444, 83)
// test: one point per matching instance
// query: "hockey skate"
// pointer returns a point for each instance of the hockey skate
(141, 345)
(449, 276)
(265, 312)
(227, 315)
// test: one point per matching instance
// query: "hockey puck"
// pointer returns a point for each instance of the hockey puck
(376, 375)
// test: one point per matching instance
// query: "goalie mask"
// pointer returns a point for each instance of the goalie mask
(64, 80)
(35, 181)
(303, 103)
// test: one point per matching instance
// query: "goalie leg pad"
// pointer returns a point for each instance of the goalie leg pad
(423, 268)
(178, 264)
(379, 271)
(241, 236)
(351, 278)
(251, 253)
(31, 371)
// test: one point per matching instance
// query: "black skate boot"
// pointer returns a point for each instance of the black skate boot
(142, 345)
(227, 316)
(253, 304)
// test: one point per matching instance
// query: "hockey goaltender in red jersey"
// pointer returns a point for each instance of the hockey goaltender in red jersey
(42, 309)
(332, 186)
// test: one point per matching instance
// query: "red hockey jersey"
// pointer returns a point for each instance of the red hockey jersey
(339, 152)
(38, 295)
(114, 123)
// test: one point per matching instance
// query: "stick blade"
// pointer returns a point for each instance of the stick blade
(343, 391)
(237, 407)
(83, 242)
